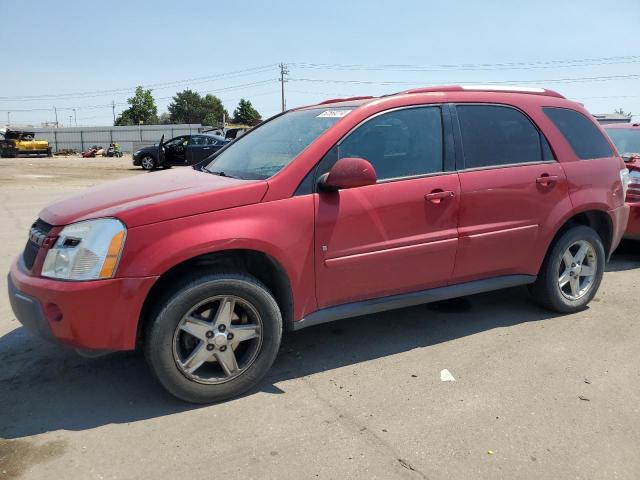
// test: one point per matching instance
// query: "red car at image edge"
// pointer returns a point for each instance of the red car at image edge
(626, 138)
(341, 209)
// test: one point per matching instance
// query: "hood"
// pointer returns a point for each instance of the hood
(155, 197)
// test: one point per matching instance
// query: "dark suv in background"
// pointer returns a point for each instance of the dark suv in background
(181, 150)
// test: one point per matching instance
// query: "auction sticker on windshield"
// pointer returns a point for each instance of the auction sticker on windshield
(333, 113)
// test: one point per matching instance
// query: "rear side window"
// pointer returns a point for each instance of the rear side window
(583, 136)
(400, 143)
(493, 135)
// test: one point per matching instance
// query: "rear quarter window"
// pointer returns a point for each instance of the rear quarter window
(497, 135)
(585, 138)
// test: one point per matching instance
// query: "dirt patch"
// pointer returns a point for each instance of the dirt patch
(27, 172)
(17, 456)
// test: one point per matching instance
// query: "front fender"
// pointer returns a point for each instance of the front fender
(281, 229)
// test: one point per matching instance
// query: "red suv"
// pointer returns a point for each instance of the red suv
(340, 209)
(626, 138)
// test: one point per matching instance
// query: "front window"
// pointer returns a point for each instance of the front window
(267, 149)
(175, 141)
(627, 141)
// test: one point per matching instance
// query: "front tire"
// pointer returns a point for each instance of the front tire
(215, 338)
(147, 162)
(571, 272)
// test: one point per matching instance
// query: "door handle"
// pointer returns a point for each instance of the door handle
(436, 196)
(206, 148)
(546, 179)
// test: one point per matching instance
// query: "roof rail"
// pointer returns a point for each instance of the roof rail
(487, 88)
(336, 100)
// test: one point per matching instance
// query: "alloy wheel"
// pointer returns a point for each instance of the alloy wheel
(147, 162)
(218, 339)
(577, 270)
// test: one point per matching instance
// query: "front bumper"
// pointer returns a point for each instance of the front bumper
(632, 231)
(93, 315)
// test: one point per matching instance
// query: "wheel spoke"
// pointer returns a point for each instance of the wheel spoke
(564, 278)
(245, 332)
(582, 252)
(227, 361)
(195, 360)
(587, 271)
(196, 327)
(225, 312)
(574, 283)
(568, 259)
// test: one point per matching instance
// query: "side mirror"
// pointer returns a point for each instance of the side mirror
(348, 173)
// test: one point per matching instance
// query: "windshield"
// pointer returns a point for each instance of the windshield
(626, 140)
(267, 149)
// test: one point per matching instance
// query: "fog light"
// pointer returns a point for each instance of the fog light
(53, 312)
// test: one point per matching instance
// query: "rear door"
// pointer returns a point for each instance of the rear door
(197, 149)
(511, 186)
(399, 235)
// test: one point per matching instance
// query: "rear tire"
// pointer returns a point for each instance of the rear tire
(193, 345)
(571, 272)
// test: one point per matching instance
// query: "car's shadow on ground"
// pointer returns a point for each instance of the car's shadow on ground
(45, 388)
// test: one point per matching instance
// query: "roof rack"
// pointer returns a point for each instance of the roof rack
(487, 88)
(347, 99)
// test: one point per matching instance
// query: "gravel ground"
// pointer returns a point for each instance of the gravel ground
(536, 395)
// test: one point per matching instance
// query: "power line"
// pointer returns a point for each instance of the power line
(483, 82)
(567, 63)
(156, 86)
(114, 104)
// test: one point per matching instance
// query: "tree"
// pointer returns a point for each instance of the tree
(143, 109)
(214, 109)
(190, 107)
(164, 118)
(246, 114)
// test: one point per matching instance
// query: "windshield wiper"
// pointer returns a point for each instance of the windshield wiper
(220, 173)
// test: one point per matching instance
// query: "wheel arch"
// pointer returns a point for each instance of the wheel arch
(254, 262)
(599, 220)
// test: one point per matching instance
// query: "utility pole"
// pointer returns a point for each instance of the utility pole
(113, 109)
(69, 120)
(55, 110)
(283, 71)
(75, 118)
(8, 119)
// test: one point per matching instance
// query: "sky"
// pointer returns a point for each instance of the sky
(86, 54)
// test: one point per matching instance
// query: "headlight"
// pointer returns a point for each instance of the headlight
(625, 179)
(136, 153)
(88, 250)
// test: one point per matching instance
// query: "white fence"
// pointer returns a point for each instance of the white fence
(129, 138)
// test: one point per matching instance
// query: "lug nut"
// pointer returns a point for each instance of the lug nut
(223, 348)
(229, 336)
(222, 328)
(209, 334)
(210, 347)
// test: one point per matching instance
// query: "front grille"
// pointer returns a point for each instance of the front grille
(39, 231)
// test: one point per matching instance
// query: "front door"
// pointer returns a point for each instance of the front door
(399, 235)
(511, 189)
